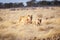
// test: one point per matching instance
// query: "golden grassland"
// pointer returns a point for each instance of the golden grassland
(13, 29)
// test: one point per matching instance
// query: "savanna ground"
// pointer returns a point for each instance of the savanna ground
(12, 29)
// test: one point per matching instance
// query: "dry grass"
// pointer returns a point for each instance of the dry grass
(12, 29)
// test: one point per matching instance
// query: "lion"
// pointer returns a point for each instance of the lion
(25, 19)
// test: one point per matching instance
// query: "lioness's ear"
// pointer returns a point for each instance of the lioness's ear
(20, 18)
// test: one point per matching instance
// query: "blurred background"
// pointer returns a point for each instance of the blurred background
(28, 3)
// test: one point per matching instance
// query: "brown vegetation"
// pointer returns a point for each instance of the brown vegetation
(38, 24)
